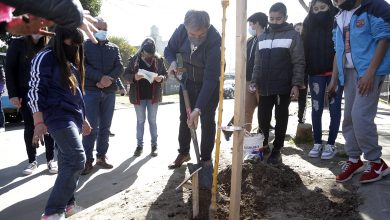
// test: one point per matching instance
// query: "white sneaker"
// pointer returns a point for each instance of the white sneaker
(316, 151)
(2, 129)
(72, 209)
(53, 217)
(30, 168)
(328, 152)
(52, 166)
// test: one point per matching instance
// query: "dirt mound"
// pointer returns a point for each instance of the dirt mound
(279, 192)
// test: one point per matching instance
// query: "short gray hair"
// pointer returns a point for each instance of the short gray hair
(196, 20)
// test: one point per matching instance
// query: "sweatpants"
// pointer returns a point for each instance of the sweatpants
(359, 129)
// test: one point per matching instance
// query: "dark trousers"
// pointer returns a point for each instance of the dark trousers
(207, 120)
(29, 132)
(266, 105)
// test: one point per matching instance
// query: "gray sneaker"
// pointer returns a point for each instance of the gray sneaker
(52, 167)
(328, 152)
(30, 168)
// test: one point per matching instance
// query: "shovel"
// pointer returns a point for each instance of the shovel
(192, 168)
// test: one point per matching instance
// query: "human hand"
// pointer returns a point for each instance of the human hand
(86, 128)
(193, 119)
(16, 101)
(138, 76)
(158, 78)
(40, 130)
(28, 25)
(88, 27)
(365, 84)
(332, 86)
(294, 93)
(172, 68)
(106, 81)
(252, 87)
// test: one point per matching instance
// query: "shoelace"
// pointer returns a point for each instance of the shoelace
(367, 168)
(344, 164)
(317, 147)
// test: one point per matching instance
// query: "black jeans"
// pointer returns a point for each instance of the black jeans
(266, 104)
(29, 132)
(207, 120)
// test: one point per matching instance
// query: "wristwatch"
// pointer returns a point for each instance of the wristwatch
(197, 110)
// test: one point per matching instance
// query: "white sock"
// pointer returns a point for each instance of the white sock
(353, 160)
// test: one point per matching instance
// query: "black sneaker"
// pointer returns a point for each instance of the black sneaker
(154, 151)
(138, 151)
(275, 158)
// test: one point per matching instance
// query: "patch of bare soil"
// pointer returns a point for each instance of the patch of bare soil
(270, 192)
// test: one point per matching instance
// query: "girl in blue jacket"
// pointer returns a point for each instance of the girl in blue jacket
(56, 100)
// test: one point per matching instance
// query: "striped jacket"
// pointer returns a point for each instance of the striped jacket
(279, 61)
(369, 24)
(51, 96)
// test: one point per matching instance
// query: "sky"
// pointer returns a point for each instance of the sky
(132, 19)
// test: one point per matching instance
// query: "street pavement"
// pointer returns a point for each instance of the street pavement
(24, 197)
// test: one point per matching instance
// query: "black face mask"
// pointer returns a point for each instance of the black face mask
(71, 52)
(276, 27)
(348, 5)
(321, 17)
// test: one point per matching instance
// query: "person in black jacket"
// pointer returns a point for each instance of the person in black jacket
(257, 23)
(145, 95)
(19, 55)
(103, 66)
(278, 73)
(319, 53)
(55, 98)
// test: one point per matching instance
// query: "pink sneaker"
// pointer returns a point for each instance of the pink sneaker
(72, 209)
(374, 172)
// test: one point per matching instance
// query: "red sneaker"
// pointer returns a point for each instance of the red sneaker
(374, 172)
(348, 169)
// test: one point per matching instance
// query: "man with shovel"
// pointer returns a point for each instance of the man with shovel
(198, 44)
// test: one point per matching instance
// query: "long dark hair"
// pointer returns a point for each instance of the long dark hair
(33, 48)
(77, 38)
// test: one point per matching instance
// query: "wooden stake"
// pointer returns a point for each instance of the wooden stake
(239, 111)
(195, 195)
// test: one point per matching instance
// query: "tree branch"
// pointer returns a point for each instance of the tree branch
(304, 5)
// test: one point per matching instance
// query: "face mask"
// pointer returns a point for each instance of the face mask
(277, 26)
(321, 17)
(101, 35)
(347, 5)
(36, 37)
(197, 41)
(251, 31)
(71, 52)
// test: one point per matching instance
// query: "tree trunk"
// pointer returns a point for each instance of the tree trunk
(304, 5)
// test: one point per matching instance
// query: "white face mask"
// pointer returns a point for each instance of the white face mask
(36, 37)
(251, 31)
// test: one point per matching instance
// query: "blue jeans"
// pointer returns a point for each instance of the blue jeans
(318, 86)
(140, 111)
(99, 110)
(71, 159)
(2, 119)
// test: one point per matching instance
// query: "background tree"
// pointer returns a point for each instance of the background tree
(125, 48)
(93, 6)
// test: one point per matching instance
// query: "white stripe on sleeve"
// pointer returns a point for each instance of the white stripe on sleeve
(34, 81)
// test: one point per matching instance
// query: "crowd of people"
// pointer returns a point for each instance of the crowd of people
(65, 87)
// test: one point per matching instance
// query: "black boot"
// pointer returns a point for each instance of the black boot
(138, 151)
(275, 158)
(154, 152)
